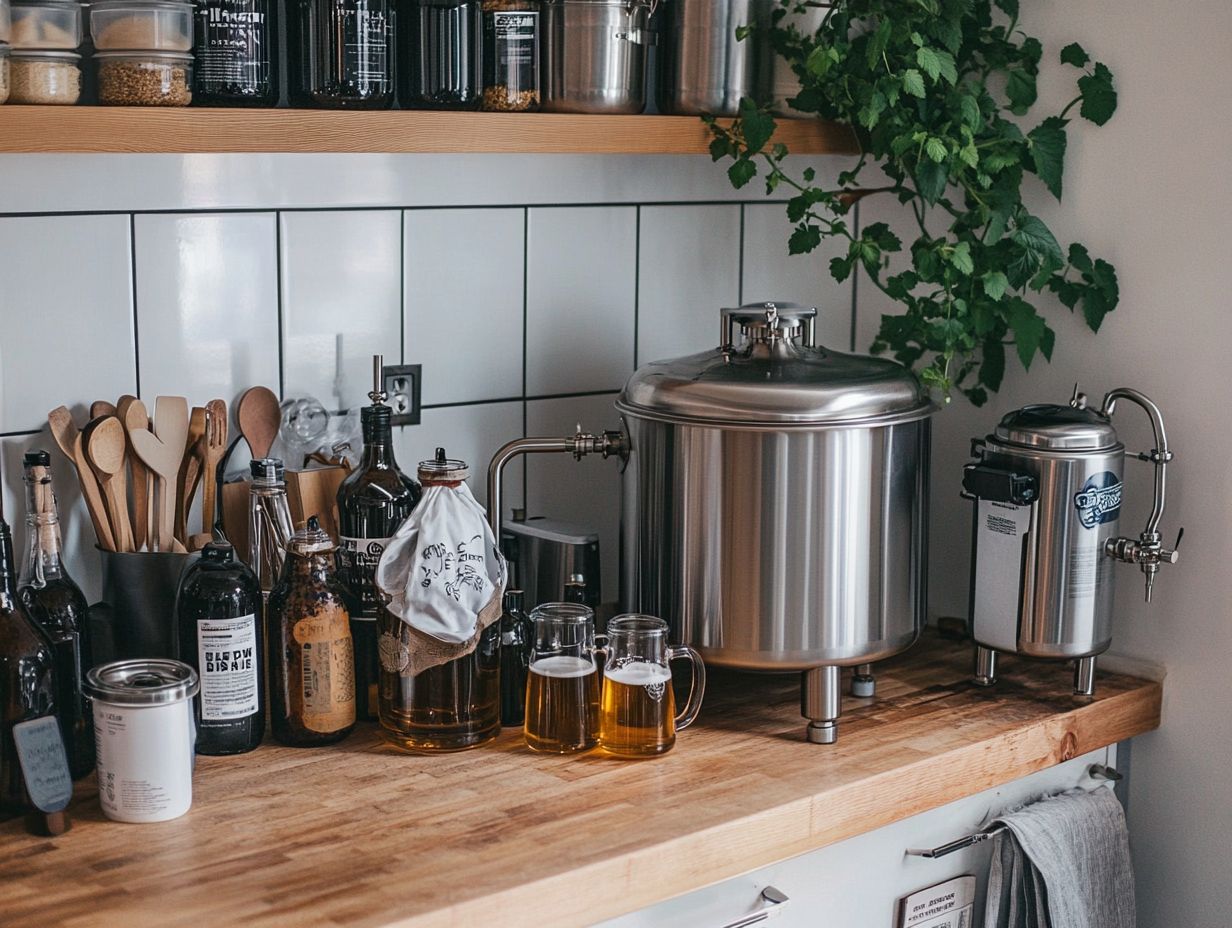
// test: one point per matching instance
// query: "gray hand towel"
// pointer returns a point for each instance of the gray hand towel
(1063, 862)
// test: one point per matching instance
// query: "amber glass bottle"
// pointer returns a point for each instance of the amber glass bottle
(312, 664)
(373, 501)
(27, 681)
(58, 607)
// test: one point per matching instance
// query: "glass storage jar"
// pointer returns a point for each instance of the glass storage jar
(236, 46)
(144, 78)
(46, 24)
(45, 77)
(151, 25)
(6, 22)
(4, 72)
(342, 54)
(441, 47)
(510, 55)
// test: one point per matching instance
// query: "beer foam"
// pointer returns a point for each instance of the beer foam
(639, 673)
(562, 666)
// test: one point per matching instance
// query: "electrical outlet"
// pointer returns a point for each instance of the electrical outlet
(402, 383)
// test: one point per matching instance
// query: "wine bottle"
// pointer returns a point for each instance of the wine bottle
(58, 607)
(515, 631)
(373, 501)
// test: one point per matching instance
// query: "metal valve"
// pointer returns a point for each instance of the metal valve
(606, 443)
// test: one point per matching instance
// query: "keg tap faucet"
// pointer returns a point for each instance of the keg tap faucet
(1147, 549)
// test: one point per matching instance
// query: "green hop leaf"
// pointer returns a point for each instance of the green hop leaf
(1029, 328)
(741, 172)
(1020, 89)
(992, 371)
(840, 268)
(756, 124)
(995, 285)
(804, 239)
(960, 258)
(1009, 7)
(913, 82)
(1099, 97)
(1074, 54)
(935, 149)
(1047, 143)
(937, 64)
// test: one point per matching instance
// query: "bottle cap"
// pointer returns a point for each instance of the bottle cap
(514, 600)
(442, 469)
(311, 539)
(267, 470)
(218, 552)
(36, 458)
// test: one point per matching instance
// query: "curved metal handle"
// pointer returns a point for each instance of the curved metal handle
(697, 689)
(773, 901)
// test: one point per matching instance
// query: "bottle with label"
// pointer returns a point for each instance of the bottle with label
(312, 662)
(27, 681)
(511, 55)
(236, 53)
(373, 501)
(515, 630)
(342, 54)
(58, 607)
(219, 613)
(441, 49)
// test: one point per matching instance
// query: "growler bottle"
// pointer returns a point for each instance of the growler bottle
(219, 613)
(27, 680)
(372, 502)
(58, 607)
(312, 662)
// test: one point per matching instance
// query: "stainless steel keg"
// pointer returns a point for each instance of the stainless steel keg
(703, 67)
(595, 55)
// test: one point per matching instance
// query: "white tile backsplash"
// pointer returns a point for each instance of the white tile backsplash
(207, 304)
(463, 273)
(66, 314)
(580, 293)
(341, 301)
(688, 269)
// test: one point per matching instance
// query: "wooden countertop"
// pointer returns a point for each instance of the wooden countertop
(359, 835)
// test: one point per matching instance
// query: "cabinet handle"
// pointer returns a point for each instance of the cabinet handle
(773, 901)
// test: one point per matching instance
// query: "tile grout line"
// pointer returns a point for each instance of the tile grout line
(282, 379)
(525, 344)
(132, 267)
(402, 298)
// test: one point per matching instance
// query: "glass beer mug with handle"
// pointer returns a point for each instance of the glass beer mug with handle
(637, 715)
(562, 687)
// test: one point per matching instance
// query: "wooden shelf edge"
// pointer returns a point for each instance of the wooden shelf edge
(131, 130)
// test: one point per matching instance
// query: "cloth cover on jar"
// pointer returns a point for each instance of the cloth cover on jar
(444, 577)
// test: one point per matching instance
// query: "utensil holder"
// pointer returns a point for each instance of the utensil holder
(138, 604)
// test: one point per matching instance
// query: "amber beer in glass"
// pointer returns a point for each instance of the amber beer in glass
(562, 687)
(637, 715)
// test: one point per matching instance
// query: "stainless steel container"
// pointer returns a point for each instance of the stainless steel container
(775, 503)
(595, 55)
(703, 67)
(1046, 488)
(546, 555)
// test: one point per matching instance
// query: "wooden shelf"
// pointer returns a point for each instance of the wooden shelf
(187, 131)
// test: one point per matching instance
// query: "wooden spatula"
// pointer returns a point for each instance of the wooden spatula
(100, 408)
(258, 417)
(162, 452)
(215, 446)
(65, 432)
(133, 416)
(190, 471)
(105, 449)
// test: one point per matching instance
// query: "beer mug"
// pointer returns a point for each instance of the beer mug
(562, 687)
(637, 715)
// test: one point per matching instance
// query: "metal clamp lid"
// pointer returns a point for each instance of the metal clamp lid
(442, 469)
(769, 321)
(154, 682)
(311, 539)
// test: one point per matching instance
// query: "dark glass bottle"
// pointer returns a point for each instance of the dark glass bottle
(511, 55)
(440, 58)
(222, 636)
(27, 680)
(58, 607)
(236, 53)
(342, 54)
(515, 630)
(373, 501)
(311, 660)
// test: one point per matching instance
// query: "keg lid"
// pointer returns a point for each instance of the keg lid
(767, 374)
(1057, 428)
(152, 682)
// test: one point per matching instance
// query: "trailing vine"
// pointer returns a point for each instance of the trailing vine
(939, 95)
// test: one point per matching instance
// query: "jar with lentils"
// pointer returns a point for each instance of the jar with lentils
(510, 55)
(144, 78)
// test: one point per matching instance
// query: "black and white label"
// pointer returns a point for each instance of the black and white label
(233, 44)
(227, 650)
(44, 765)
(947, 905)
(357, 560)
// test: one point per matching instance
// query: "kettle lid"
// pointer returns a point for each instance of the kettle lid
(772, 376)
(1057, 428)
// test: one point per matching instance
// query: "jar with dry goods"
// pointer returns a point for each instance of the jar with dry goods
(511, 55)
(144, 78)
(342, 53)
(49, 78)
(441, 53)
(4, 72)
(46, 24)
(237, 52)
(149, 25)
(6, 22)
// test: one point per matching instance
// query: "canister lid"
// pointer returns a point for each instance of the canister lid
(773, 378)
(151, 682)
(311, 539)
(1057, 428)
(443, 469)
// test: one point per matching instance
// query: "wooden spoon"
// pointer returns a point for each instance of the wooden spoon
(105, 449)
(100, 408)
(259, 417)
(64, 431)
(215, 446)
(162, 451)
(133, 416)
(190, 471)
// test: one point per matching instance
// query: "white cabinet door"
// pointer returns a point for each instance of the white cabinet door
(857, 883)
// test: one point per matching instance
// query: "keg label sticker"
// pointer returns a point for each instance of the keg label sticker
(357, 560)
(44, 764)
(327, 671)
(1099, 500)
(227, 654)
(946, 905)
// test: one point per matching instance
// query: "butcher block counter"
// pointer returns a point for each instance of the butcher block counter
(357, 834)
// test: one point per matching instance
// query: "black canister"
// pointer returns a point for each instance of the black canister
(222, 634)
(440, 63)
(342, 53)
(515, 631)
(237, 53)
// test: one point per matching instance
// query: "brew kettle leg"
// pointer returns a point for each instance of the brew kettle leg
(821, 702)
(1084, 677)
(863, 683)
(985, 666)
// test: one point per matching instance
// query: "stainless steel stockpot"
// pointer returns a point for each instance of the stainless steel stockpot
(703, 67)
(595, 55)
(775, 503)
